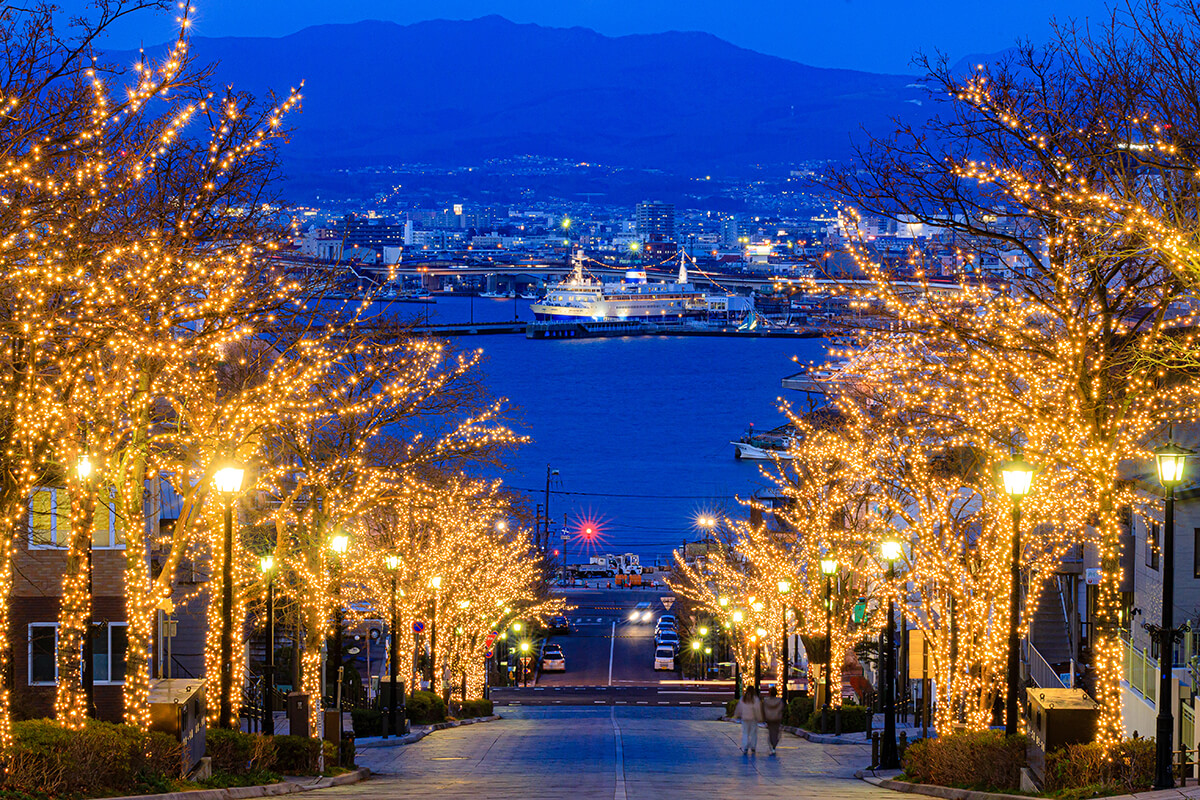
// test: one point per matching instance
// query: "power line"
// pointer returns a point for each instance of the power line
(637, 496)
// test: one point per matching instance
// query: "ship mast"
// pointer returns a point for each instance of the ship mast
(683, 276)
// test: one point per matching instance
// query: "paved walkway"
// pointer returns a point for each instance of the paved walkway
(622, 753)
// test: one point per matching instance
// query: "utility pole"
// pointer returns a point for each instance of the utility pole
(546, 532)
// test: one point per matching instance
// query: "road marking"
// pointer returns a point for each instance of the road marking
(599, 702)
(619, 791)
(612, 644)
(643, 702)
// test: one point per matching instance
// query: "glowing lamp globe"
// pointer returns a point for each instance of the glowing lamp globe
(83, 467)
(1170, 460)
(228, 479)
(1017, 476)
(339, 543)
(435, 582)
(266, 563)
(785, 587)
(392, 562)
(829, 566)
(891, 550)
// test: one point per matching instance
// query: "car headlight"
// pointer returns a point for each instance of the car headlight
(634, 616)
(646, 615)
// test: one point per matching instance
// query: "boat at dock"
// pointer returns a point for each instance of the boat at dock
(582, 297)
(756, 446)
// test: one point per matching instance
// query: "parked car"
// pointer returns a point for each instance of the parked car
(641, 613)
(664, 658)
(553, 659)
(667, 639)
(559, 625)
(667, 619)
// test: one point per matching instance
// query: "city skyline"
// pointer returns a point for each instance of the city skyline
(870, 35)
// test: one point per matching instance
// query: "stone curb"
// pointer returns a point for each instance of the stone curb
(815, 738)
(946, 792)
(950, 793)
(245, 792)
(415, 736)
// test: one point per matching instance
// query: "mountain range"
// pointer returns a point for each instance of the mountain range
(459, 92)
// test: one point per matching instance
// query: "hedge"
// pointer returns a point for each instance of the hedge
(297, 755)
(366, 722)
(854, 719)
(475, 708)
(1083, 770)
(798, 710)
(101, 759)
(981, 760)
(426, 708)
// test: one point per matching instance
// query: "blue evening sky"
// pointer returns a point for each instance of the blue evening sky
(873, 35)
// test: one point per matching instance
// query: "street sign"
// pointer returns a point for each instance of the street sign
(488, 642)
(418, 626)
(667, 602)
(859, 613)
(487, 653)
(1093, 577)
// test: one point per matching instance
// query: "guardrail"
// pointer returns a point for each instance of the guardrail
(1040, 672)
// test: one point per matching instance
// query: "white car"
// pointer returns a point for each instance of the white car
(553, 660)
(664, 658)
(641, 613)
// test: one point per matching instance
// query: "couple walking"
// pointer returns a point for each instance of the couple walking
(751, 710)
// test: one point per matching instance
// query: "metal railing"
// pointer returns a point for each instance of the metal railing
(1139, 670)
(1040, 672)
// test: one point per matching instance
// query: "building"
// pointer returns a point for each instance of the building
(656, 229)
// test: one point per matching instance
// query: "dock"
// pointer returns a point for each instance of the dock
(591, 330)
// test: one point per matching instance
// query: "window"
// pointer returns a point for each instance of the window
(110, 642)
(1152, 546)
(109, 645)
(43, 653)
(50, 520)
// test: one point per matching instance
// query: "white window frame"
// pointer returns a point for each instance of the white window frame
(111, 505)
(108, 632)
(54, 545)
(29, 647)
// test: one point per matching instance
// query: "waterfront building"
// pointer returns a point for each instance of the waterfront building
(656, 229)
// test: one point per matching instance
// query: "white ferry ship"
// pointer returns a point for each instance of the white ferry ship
(581, 297)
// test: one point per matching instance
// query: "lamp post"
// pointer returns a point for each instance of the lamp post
(703, 631)
(1169, 459)
(435, 583)
(393, 564)
(736, 618)
(759, 633)
(696, 656)
(339, 543)
(1017, 477)
(228, 481)
(83, 469)
(525, 663)
(829, 568)
(785, 587)
(267, 565)
(889, 757)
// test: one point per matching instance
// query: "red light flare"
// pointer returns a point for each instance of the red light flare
(588, 531)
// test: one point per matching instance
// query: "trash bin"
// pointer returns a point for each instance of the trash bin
(299, 722)
(177, 707)
(1057, 718)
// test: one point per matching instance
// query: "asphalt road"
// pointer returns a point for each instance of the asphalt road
(619, 753)
(610, 659)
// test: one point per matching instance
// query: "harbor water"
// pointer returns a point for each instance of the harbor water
(638, 428)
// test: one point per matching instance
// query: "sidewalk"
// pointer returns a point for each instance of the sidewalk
(888, 780)
(416, 733)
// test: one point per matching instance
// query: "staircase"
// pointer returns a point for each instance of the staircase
(1050, 629)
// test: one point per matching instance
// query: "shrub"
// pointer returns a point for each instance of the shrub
(798, 710)
(475, 708)
(425, 708)
(854, 719)
(100, 759)
(983, 760)
(346, 756)
(230, 751)
(1079, 766)
(730, 707)
(297, 755)
(367, 722)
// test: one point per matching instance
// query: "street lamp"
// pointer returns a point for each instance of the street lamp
(83, 469)
(889, 757)
(525, 663)
(267, 565)
(393, 564)
(1170, 460)
(829, 568)
(696, 645)
(759, 633)
(784, 588)
(228, 481)
(435, 583)
(1017, 476)
(339, 543)
(736, 618)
